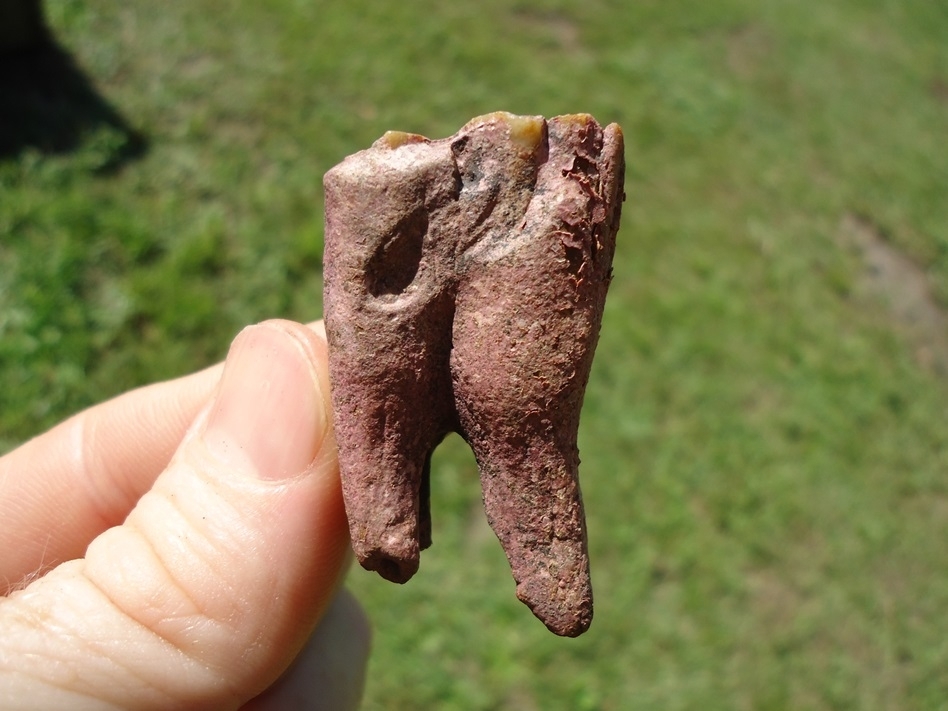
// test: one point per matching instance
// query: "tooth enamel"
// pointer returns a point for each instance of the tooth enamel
(526, 132)
(397, 139)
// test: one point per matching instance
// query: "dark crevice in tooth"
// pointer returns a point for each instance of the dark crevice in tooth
(464, 285)
(395, 263)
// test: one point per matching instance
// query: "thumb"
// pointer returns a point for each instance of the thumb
(211, 586)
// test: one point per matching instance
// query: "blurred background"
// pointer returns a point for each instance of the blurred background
(765, 435)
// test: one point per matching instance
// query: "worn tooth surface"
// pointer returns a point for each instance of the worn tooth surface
(464, 285)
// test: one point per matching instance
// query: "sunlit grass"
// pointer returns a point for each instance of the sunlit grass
(765, 451)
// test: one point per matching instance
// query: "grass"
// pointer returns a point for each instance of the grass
(765, 449)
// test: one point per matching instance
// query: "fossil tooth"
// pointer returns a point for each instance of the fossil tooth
(465, 280)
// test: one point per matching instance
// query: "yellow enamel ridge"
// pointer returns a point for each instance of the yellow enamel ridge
(397, 139)
(578, 119)
(525, 131)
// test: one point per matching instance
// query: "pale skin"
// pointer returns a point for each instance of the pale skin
(183, 545)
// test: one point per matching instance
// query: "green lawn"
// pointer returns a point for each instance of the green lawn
(765, 437)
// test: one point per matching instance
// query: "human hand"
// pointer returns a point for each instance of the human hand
(176, 547)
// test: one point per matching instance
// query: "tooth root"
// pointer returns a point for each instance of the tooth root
(525, 332)
(521, 421)
(464, 285)
(389, 339)
(383, 480)
(391, 410)
(546, 548)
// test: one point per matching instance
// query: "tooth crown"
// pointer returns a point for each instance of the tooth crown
(464, 285)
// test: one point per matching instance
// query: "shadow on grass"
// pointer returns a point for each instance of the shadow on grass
(48, 104)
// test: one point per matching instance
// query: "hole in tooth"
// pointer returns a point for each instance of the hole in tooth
(395, 263)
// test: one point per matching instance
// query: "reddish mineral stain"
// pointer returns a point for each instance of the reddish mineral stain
(465, 280)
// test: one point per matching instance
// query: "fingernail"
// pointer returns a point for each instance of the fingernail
(268, 418)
